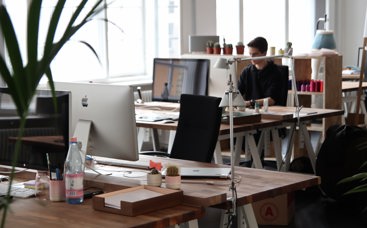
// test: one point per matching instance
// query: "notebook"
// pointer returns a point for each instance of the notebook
(210, 172)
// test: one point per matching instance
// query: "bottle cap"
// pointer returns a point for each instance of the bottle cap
(73, 139)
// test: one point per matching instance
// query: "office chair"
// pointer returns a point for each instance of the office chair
(284, 72)
(197, 130)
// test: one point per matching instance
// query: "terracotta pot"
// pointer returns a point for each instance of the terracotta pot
(154, 179)
(228, 51)
(217, 51)
(240, 50)
(209, 50)
(173, 182)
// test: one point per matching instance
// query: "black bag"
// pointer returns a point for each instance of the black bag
(341, 155)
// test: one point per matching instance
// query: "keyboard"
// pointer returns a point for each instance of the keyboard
(154, 117)
(120, 163)
(19, 192)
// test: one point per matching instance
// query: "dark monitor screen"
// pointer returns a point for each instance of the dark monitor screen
(46, 130)
(173, 77)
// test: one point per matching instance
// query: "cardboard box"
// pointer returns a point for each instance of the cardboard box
(275, 211)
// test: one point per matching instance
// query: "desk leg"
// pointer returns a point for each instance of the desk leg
(254, 150)
(288, 153)
(171, 138)
(308, 144)
(277, 147)
(141, 135)
(190, 224)
(248, 216)
(238, 148)
(218, 159)
(155, 139)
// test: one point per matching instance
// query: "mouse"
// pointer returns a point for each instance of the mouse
(168, 121)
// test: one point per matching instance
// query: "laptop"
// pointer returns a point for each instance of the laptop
(209, 172)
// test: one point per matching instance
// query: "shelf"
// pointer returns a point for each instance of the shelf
(306, 93)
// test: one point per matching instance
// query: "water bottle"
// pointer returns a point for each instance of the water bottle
(73, 174)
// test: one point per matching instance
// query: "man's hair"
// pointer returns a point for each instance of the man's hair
(260, 43)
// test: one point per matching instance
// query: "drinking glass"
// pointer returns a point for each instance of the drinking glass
(41, 185)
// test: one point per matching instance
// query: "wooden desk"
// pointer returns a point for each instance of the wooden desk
(30, 213)
(254, 184)
(350, 77)
(33, 213)
(240, 131)
(306, 115)
(348, 86)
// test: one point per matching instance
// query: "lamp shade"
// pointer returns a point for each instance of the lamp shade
(365, 25)
(238, 100)
(221, 63)
(324, 39)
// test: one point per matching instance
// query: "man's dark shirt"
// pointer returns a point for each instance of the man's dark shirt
(257, 84)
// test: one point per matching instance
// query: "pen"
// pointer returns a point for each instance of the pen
(49, 165)
(58, 174)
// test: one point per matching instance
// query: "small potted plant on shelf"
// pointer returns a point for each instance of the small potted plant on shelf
(240, 48)
(209, 47)
(228, 49)
(173, 178)
(154, 178)
(217, 49)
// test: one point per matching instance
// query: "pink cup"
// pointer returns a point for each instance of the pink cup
(57, 190)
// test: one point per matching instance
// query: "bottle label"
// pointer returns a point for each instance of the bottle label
(74, 185)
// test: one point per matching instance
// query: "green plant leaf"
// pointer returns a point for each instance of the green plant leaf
(359, 189)
(32, 40)
(359, 176)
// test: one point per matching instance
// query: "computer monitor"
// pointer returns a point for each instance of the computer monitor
(175, 76)
(46, 130)
(103, 119)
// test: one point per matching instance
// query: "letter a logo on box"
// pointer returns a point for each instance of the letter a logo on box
(269, 212)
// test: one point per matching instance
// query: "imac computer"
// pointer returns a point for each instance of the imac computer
(174, 76)
(46, 131)
(103, 119)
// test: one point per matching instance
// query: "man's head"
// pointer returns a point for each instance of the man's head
(257, 47)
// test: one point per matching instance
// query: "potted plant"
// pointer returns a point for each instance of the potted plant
(217, 48)
(209, 47)
(240, 48)
(173, 178)
(228, 49)
(23, 76)
(154, 178)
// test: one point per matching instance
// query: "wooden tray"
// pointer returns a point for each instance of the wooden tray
(137, 200)
(242, 118)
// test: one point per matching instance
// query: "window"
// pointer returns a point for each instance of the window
(138, 31)
(278, 21)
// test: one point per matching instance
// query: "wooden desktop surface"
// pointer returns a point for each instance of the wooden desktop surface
(348, 86)
(31, 213)
(253, 185)
(312, 113)
(35, 213)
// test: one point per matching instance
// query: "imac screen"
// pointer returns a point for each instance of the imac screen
(110, 111)
(46, 130)
(172, 77)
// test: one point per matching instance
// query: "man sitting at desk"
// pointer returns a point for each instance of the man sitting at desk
(261, 79)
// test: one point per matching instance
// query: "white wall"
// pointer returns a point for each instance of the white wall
(198, 18)
(350, 17)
